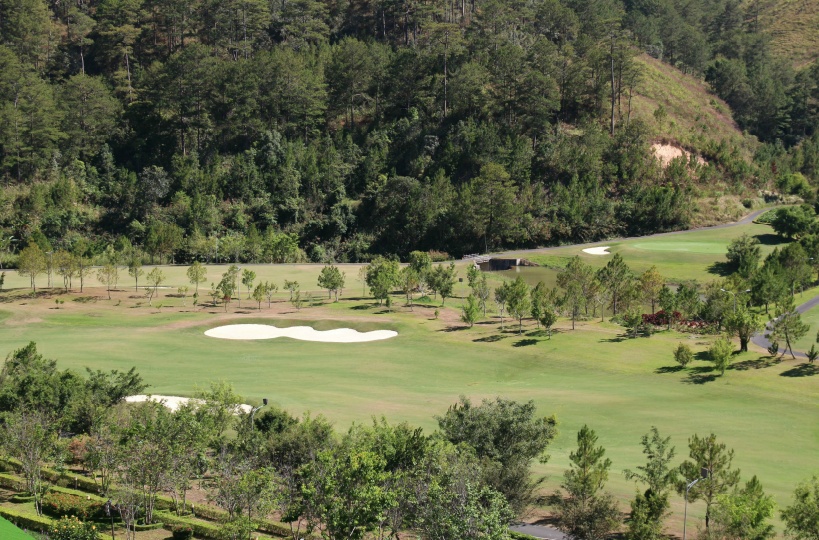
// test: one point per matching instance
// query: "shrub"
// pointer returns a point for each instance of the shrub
(660, 318)
(683, 355)
(181, 532)
(77, 449)
(720, 353)
(766, 218)
(66, 504)
(439, 256)
(71, 528)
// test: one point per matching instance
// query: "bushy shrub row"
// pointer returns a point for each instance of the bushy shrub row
(661, 317)
(210, 513)
(71, 528)
(66, 504)
(181, 532)
(202, 530)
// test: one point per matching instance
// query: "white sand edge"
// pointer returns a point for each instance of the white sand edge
(303, 333)
(174, 402)
(602, 250)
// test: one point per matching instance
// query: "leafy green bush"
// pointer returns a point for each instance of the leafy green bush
(65, 504)
(683, 355)
(71, 528)
(767, 217)
(181, 532)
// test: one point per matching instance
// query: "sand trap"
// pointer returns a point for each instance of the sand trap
(174, 402)
(303, 333)
(602, 250)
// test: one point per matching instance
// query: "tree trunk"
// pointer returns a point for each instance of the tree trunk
(613, 95)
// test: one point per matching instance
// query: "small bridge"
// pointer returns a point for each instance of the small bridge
(477, 258)
(491, 264)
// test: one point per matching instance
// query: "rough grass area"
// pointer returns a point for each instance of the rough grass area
(693, 115)
(793, 26)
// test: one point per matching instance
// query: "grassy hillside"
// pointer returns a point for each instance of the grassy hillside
(793, 26)
(692, 114)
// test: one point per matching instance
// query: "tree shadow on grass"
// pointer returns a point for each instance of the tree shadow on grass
(769, 239)
(453, 328)
(802, 370)
(543, 333)
(760, 363)
(619, 339)
(701, 375)
(668, 369)
(703, 356)
(525, 342)
(720, 268)
(489, 339)
(361, 307)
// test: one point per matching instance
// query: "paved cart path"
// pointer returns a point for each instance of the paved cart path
(540, 531)
(762, 339)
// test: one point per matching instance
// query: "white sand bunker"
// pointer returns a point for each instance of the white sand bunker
(602, 250)
(174, 402)
(303, 333)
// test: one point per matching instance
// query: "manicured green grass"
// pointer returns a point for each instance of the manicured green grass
(695, 255)
(811, 317)
(10, 532)
(620, 387)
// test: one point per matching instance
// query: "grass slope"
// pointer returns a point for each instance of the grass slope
(694, 115)
(793, 26)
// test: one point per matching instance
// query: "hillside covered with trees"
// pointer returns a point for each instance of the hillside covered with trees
(278, 131)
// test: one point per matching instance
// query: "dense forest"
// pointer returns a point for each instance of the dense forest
(334, 131)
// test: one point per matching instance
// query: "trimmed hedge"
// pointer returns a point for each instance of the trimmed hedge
(151, 527)
(12, 483)
(205, 530)
(25, 520)
(66, 479)
(34, 522)
(164, 504)
(210, 513)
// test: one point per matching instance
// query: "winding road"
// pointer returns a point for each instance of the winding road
(762, 340)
